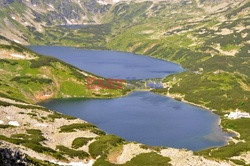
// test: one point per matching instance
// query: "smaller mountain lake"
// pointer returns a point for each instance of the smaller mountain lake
(111, 64)
(76, 26)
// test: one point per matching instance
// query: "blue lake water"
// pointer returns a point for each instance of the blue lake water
(76, 26)
(111, 64)
(141, 116)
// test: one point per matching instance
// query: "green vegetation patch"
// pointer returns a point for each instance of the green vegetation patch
(8, 62)
(28, 79)
(37, 162)
(5, 126)
(5, 104)
(57, 115)
(72, 153)
(76, 126)
(42, 61)
(103, 144)
(80, 142)
(32, 135)
(81, 126)
(145, 159)
(149, 159)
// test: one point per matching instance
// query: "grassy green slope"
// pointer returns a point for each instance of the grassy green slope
(42, 77)
(90, 36)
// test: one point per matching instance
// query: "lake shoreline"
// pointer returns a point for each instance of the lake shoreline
(231, 138)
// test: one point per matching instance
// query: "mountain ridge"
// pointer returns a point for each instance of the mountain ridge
(20, 17)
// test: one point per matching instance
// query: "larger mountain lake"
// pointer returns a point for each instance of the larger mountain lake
(141, 116)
